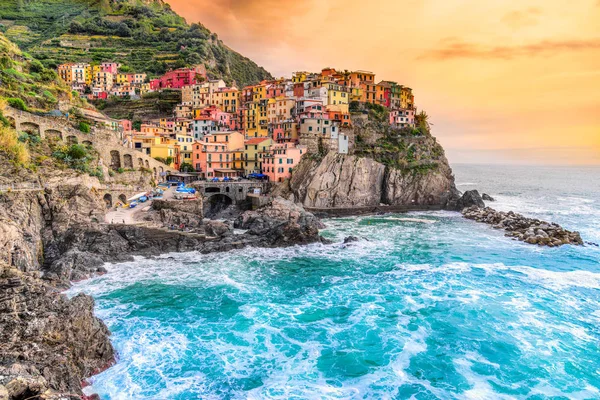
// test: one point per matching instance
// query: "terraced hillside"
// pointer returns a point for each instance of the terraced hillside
(143, 35)
(26, 84)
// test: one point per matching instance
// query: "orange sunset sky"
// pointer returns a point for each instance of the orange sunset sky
(503, 81)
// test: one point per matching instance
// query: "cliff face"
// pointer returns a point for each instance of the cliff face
(338, 181)
(388, 167)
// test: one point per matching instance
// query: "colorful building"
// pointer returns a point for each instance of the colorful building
(214, 155)
(280, 160)
(254, 150)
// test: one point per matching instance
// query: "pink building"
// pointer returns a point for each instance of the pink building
(281, 159)
(402, 117)
(274, 91)
(126, 124)
(110, 67)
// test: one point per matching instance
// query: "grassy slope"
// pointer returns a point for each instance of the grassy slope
(144, 35)
(25, 78)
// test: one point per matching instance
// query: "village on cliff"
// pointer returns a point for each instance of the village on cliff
(220, 131)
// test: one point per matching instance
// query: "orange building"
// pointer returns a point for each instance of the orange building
(214, 156)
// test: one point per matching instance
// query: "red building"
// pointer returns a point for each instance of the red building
(179, 78)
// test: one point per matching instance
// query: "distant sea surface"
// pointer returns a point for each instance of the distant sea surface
(425, 306)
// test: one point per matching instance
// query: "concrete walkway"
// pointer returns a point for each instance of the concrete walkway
(126, 216)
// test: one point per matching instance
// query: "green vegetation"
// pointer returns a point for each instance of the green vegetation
(78, 157)
(25, 83)
(143, 35)
(84, 127)
(186, 167)
(151, 105)
(17, 103)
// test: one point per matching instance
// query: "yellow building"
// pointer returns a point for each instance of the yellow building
(122, 79)
(157, 146)
(299, 76)
(356, 94)
(185, 147)
(262, 126)
(254, 149)
(259, 92)
(407, 99)
(249, 120)
(337, 95)
(238, 159)
(231, 100)
(90, 72)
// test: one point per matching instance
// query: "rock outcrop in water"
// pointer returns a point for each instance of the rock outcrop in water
(281, 223)
(529, 230)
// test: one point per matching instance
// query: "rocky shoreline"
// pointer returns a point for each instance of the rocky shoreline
(50, 344)
(519, 227)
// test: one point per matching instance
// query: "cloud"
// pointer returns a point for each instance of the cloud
(458, 50)
(522, 18)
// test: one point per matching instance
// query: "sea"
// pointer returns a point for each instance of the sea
(426, 305)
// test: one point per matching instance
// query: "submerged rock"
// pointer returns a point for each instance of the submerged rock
(350, 239)
(487, 197)
(529, 230)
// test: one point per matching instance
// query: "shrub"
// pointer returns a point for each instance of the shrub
(77, 151)
(49, 96)
(17, 103)
(36, 66)
(120, 170)
(12, 147)
(84, 127)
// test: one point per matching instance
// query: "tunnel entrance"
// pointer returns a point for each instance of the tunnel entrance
(216, 204)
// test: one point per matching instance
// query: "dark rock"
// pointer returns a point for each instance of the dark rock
(281, 223)
(487, 197)
(469, 198)
(351, 239)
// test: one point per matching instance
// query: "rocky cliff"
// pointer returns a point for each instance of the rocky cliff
(347, 181)
(385, 166)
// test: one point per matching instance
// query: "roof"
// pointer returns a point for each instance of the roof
(256, 140)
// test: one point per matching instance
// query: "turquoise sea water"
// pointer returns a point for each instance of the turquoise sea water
(425, 306)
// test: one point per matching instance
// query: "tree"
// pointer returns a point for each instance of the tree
(422, 122)
(186, 167)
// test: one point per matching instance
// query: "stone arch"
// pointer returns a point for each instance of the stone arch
(87, 143)
(147, 164)
(154, 169)
(53, 134)
(72, 140)
(108, 200)
(122, 198)
(216, 203)
(212, 190)
(115, 159)
(140, 163)
(30, 127)
(127, 161)
(227, 189)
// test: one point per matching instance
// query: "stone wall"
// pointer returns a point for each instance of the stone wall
(106, 142)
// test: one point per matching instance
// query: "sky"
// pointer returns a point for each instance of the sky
(503, 81)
